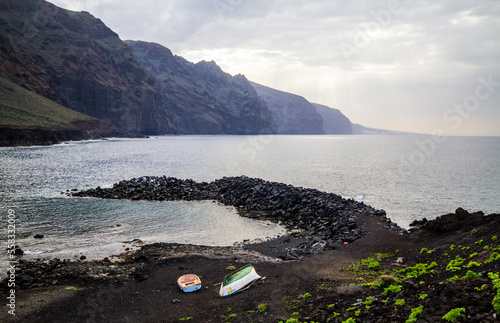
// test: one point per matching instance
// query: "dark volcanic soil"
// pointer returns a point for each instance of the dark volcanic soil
(143, 288)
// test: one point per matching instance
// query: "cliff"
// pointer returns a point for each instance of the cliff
(293, 114)
(201, 98)
(334, 122)
(27, 118)
(73, 59)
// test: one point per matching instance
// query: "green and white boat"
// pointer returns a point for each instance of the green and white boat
(239, 280)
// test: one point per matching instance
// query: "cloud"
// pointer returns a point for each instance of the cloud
(382, 62)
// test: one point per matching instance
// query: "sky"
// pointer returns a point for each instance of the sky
(407, 65)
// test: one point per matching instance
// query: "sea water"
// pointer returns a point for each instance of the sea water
(411, 177)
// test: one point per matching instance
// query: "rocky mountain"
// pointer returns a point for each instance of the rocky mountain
(202, 99)
(293, 114)
(334, 122)
(27, 118)
(73, 59)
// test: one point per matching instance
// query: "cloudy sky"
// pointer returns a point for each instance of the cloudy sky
(409, 65)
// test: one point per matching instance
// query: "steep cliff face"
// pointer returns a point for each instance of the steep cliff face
(200, 98)
(27, 118)
(334, 122)
(73, 59)
(293, 113)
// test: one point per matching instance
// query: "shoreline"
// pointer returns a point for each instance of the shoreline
(143, 288)
(312, 274)
(324, 221)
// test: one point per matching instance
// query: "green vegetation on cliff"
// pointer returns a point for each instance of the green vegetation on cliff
(22, 108)
(27, 118)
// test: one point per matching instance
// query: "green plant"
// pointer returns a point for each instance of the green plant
(400, 302)
(452, 247)
(455, 264)
(306, 295)
(494, 238)
(386, 280)
(331, 305)
(471, 275)
(480, 288)
(494, 256)
(185, 318)
(472, 264)
(349, 320)
(453, 315)
(415, 312)
(392, 288)
(479, 242)
(262, 307)
(373, 265)
(454, 279)
(422, 296)
(495, 277)
(418, 270)
(369, 300)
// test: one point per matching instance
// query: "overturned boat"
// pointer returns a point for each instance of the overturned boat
(239, 280)
(189, 283)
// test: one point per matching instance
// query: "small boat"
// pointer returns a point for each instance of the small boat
(239, 280)
(189, 283)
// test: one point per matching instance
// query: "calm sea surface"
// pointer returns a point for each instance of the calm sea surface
(411, 177)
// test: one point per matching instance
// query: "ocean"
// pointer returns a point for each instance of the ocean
(409, 176)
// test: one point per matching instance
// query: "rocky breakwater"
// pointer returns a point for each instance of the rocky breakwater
(317, 220)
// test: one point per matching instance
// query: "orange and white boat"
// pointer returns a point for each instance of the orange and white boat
(189, 283)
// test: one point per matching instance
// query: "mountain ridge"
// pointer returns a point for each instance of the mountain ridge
(75, 60)
(293, 113)
(200, 97)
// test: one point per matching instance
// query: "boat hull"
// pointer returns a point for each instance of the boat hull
(191, 288)
(189, 283)
(238, 281)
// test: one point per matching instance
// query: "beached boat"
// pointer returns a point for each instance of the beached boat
(189, 283)
(239, 280)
